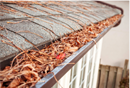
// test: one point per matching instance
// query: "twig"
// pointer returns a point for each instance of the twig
(54, 77)
(5, 30)
(26, 83)
(12, 44)
(16, 22)
(29, 32)
(16, 57)
(49, 33)
(60, 24)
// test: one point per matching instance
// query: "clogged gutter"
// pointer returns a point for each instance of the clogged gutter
(29, 66)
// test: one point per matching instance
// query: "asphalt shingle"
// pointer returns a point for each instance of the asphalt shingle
(53, 21)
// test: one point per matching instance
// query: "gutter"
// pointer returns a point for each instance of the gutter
(61, 70)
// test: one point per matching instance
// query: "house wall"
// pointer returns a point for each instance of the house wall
(115, 47)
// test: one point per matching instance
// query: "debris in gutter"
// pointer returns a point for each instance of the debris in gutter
(29, 66)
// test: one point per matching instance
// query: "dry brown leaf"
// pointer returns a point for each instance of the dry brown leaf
(73, 49)
(14, 83)
(1, 83)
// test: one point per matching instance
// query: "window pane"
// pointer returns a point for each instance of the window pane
(75, 70)
(88, 78)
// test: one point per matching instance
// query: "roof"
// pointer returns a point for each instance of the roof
(40, 23)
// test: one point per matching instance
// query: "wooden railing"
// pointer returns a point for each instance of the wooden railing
(110, 76)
